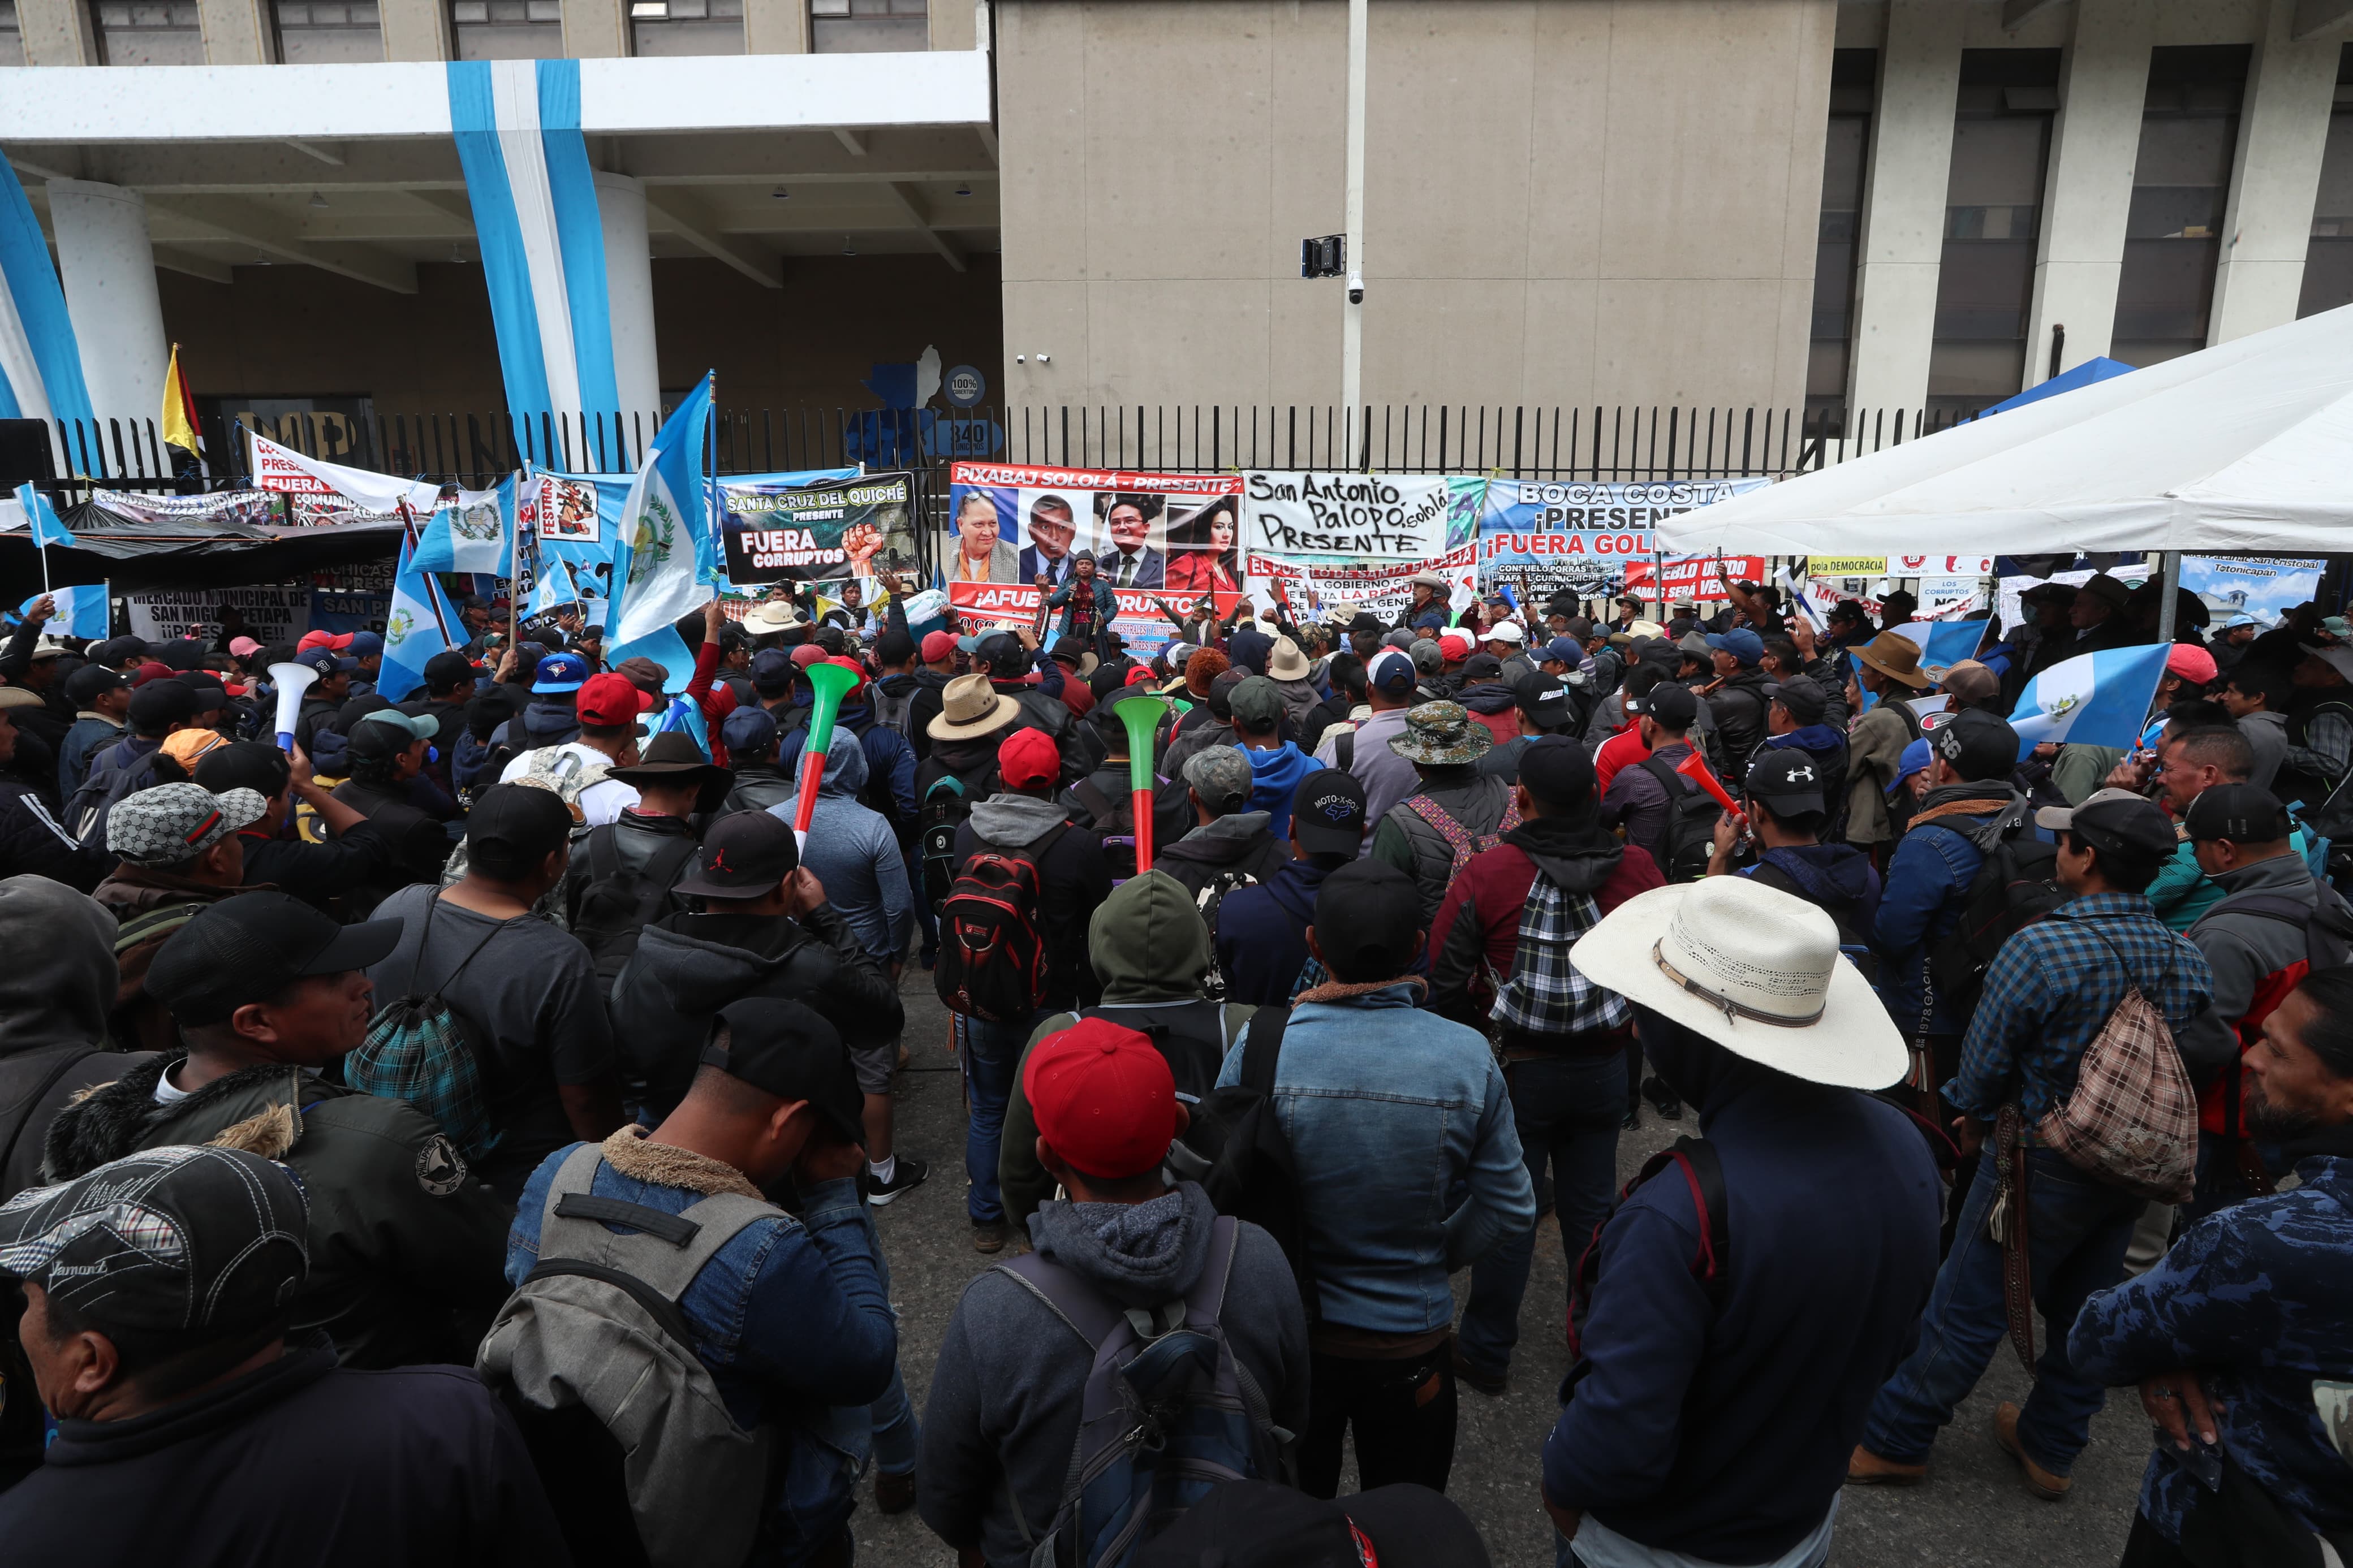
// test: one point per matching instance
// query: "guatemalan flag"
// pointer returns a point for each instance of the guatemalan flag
(1943, 644)
(40, 363)
(662, 529)
(2092, 700)
(467, 532)
(535, 199)
(555, 588)
(418, 626)
(49, 530)
(76, 613)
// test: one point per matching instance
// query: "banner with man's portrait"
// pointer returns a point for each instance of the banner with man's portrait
(1173, 533)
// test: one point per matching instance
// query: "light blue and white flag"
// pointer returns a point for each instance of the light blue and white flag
(48, 529)
(2092, 700)
(40, 363)
(555, 588)
(1943, 644)
(535, 199)
(417, 627)
(78, 612)
(467, 532)
(661, 526)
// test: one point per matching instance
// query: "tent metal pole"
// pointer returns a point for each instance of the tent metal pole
(2168, 582)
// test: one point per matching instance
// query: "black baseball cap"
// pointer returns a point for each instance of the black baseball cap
(326, 662)
(2116, 820)
(1977, 745)
(449, 669)
(517, 823)
(1668, 705)
(1789, 778)
(1327, 813)
(2237, 814)
(785, 1049)
(166, 1249)
(84, 685)
(251, 947)
(161, 703)
(115, 650)
(1558, 770)
(744, 856)
(1803, 696)
(1367, 915)
(1544, 698)
(773, 671)
(256, 765)
(1008, 660)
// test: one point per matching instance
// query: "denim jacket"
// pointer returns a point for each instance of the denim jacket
(790, 1316)
(1392, 1113)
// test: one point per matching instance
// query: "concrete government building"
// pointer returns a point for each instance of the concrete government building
(1878, 204)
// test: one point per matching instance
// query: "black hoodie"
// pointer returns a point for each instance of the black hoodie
(56, 991)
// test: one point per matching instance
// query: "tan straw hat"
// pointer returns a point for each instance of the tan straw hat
(1286, 663)
(1754, 969)
(971, 708)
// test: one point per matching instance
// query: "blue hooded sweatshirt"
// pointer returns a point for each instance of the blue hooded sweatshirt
(1275, 779)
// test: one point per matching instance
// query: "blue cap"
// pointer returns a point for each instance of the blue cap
(1743, 644)
(1915, 757)
(772, 671)
(1430, 620)
(1390, 671)
(1561, 650)
(749, 730)
(327, 663)
(365, 643)
(560, 673)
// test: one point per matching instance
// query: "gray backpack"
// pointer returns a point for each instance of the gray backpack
(597, 1327)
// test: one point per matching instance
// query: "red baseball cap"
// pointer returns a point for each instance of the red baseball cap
(855, 669)
(938, 646)
(1457, 644)
(323, 639)
(807, 653)
(610, 700)
(152, 670)
(1139, 676)
(1103, 1097)
(1027, 757)
(2192, 663)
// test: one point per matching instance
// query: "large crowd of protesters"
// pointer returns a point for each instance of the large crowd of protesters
(454, 1136)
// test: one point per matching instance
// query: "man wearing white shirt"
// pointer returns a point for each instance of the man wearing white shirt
(608, 706)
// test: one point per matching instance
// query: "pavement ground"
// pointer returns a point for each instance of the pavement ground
(1972, 1512)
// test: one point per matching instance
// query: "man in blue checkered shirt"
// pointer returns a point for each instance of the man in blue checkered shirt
(2048, 994)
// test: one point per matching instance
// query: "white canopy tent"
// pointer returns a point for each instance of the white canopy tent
(2243, 448)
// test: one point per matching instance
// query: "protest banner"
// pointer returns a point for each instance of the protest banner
(317, 492)
(1693, 576)
(1315, 588)
(2266, 589)
(1388, 517)
(1544, 538)
(273, 613)
(1011, 525)
(1137, 620)
(779, 531)
(245, 507)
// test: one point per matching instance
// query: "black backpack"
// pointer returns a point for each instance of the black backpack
(1114, 826)
(944, 806)
(1235, 1147)
(992, 961)
(2017, 884)
(1210, 898)
(86, 813)
(618, 901)
(1690, 837)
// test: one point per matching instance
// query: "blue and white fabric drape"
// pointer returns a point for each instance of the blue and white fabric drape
(40, 364)
(535, 199)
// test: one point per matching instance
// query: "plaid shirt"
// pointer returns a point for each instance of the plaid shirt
(1547, 994)
(2051, 989)
(2327, 749)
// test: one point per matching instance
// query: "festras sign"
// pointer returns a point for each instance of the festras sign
(812, 532)
(1384, 516)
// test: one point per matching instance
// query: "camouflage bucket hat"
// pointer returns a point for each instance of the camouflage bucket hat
(1441, 734)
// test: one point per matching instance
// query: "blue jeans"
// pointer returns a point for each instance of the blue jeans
(991, 1054)
(896, 1437)
(1567, 1110)
(2077, 1229)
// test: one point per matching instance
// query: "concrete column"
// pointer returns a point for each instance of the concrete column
(1903, 240)
(629, 294)
(595, 29)
(107, 267)
(2094, 142)
(775, 26)
(236, 32)
(57, 33)
(2274, 180)
(417, 30)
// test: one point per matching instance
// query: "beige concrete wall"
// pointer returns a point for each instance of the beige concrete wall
(1567, 200)
(57, 33)
(236, 32)
(415, 30)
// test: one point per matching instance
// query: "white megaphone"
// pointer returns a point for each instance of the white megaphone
(292, 680)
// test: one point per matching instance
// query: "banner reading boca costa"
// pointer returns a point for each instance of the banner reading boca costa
(1591, 540)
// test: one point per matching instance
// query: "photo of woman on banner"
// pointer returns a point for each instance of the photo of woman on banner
(1202, 556)
(1128, 523)
(985, 552)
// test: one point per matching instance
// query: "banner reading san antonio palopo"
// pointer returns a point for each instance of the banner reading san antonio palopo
(823, 532)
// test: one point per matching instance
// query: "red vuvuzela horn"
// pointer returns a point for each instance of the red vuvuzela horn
(1694, 768)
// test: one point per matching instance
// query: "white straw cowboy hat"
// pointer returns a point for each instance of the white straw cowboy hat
(1286, 662)
(970, 708)
(1754, 969)
(771, 616)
